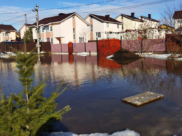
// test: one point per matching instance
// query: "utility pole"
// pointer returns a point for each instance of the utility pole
(25, 22)
(37, 19)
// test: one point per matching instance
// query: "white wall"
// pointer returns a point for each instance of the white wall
(12, 36)
(177, 25)
(22, 31)
(82, 30)
(98, 26)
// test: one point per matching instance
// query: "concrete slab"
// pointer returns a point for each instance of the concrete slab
(143, 98)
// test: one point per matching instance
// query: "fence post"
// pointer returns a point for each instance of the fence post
(108, 44)
(121, 41)
(141, 45)
(97, 44)
(85, 46)
(165, 44)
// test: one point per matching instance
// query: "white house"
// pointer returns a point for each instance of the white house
(102, 26)
(149, 22)
(63, 28)
(130, 22)
(178, 20)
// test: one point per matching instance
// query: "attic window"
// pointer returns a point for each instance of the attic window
(73, 17)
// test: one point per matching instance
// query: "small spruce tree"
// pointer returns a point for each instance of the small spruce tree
(29, 112)
(28, 36)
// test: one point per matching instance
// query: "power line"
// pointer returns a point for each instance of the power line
(126, 7)
(69, 6)
(15, 17)
(85, 4)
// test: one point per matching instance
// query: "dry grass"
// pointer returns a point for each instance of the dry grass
(125, 57)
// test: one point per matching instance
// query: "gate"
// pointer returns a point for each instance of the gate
(70, 47)
(108, 46)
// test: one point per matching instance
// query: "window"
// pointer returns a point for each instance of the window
(73, 17)
(74, 33)
(122, 27)
(42, 29)
(47, 28)
(81, 39)
(98, 34)
(5, 34)
(51, 40)
(51, 28)
(117, 26)
(107, 25)
(121, 17)
(91, 28)
(39, 30)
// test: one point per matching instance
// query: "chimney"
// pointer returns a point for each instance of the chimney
(107, 16)
(149, 16)
(132, 14)
(61, 14)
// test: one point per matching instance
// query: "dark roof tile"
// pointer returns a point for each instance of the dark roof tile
(58, 18)
(132, 18)
(150, 19)
(7, 28)
(177, 14)
(105, 19)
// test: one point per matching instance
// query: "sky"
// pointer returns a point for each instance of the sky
(9, 9)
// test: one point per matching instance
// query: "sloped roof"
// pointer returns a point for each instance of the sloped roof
(105, 19)
(59, 18)
(132, 18)
(151, 19)
(177, 14)
(7, 28)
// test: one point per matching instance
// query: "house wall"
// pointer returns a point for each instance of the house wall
(98, 26)
(57, 33)
(22, 31)
(82, 30)
(12, 36)
(66, 31)
(177, 25)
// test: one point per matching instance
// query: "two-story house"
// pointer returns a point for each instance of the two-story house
(149, 22)
(63, 28)
(178, 20)
(102, 26)
(7, 33)
(130, 22)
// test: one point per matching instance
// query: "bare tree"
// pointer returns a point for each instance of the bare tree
(85, 33)
(144, 39)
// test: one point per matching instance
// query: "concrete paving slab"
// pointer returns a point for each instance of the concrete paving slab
(143, 98)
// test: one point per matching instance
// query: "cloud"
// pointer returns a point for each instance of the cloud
(113, 8)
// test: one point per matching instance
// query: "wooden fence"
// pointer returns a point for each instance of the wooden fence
(9, 47)
(173, 42)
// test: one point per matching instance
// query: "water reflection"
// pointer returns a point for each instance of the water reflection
(97, 85)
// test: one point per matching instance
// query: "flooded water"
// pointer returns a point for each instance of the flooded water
(96, 87)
